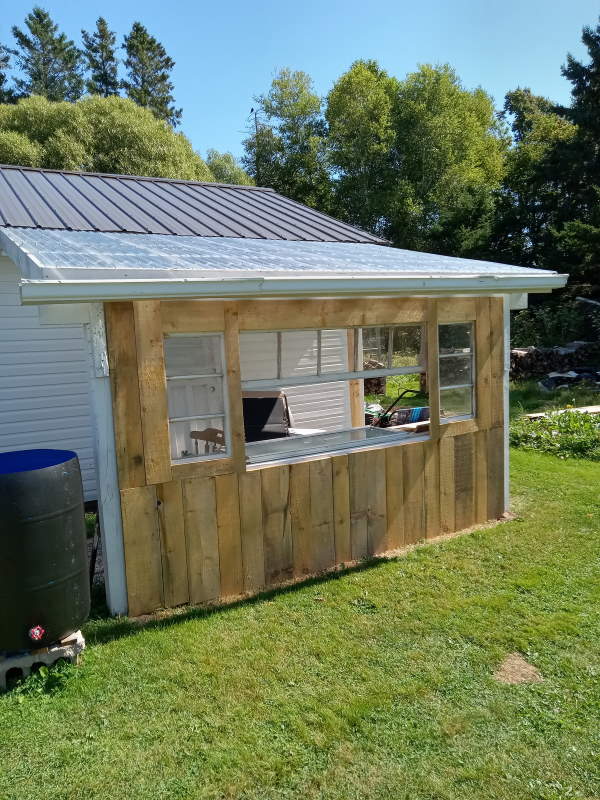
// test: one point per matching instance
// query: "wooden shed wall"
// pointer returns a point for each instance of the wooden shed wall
(208, 531)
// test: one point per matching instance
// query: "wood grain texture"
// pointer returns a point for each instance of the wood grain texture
(483, 366)
(377, 538)
(341, 509)
(464, 481)
(277, 524)
(173, 543)
(153, 390)
(481, 476)
(414, 492)
(192, 316)
(122, 358)
(321, 512)
(457, 309)
(200, 515)
(229, 535)
(447, 490)
(251, 525)
(495, 487)
(301, 521)
(432, 489)
(394, 480)
(432, 366)
(234, 387)
(497, 361)
(359, 504)
(141, 543)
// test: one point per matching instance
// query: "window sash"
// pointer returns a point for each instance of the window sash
(328, 377)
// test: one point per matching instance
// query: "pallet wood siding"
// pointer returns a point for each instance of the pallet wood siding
(205, 532)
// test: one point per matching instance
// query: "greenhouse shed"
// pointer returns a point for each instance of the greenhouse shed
(234, 338)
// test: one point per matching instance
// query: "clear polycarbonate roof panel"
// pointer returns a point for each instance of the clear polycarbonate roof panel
(45, 254)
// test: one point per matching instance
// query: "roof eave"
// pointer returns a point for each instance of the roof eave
(77, 291)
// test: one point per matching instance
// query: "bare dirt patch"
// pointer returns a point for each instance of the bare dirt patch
(514, 669)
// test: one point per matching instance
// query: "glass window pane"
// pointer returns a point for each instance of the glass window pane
(258, 355)
(334, 351)
(193, 396)
(193, 355)
(455, 338)
(197, 438)
(456, 402)
(375, 343)
(407, 344)
(455, 370)
(298, 353)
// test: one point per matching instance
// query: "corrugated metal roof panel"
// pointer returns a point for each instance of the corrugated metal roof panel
(80, 201)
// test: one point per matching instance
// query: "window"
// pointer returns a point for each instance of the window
(303, 391)
(196, 396)
(456, 370)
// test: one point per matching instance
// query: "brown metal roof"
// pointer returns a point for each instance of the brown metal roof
(88, 201)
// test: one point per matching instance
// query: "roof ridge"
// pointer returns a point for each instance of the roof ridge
(154, 179)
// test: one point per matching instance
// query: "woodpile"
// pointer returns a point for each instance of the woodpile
(374, 385)
(533, 362)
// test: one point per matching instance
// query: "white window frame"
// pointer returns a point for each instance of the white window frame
(225, 415)
(472, 353)
(280, 381)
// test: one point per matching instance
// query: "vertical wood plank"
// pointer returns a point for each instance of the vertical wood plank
(301, 518)
(251, 523)
(153, 390)
(122, 358)
(495, 486)
(432, 489)
(447, 490)
(433, 369)
(414, 492)
(377, 539)
(355, 387)
(341, 509)
(229, 535)
(200, 518)
(464, 480)
(497, 361)
(277, 524)
(358, 477)
(234, 386)
(173, 544)
(483, 364)
(141, 543)
(321, 512)
(481, 476)
(394, 479)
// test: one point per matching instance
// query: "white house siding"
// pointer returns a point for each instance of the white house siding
(44, 382)
(321, 405)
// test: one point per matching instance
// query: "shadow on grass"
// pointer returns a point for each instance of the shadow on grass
(101, 628)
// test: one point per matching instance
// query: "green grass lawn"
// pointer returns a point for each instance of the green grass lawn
(375, 684)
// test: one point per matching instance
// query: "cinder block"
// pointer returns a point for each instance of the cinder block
(67, 649)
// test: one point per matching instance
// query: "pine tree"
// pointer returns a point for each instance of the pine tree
(50, 63)
(101, 61)
(6, 95)
(149, 72)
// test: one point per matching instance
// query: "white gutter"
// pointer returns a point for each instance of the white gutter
(76, 291)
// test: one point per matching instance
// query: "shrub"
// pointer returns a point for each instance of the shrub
(567, 434)
(550, 324)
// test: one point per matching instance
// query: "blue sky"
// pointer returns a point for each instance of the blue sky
(229, 51)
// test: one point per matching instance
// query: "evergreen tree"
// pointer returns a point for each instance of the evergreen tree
(50, 63)
(7, 95)
(149, 74)
(101, 61)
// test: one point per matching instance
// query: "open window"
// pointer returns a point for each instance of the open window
(304, 391)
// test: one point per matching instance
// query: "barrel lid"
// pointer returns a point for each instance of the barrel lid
(26, 460)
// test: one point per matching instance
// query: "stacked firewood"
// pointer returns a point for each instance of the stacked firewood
(532, 362)
(374, 385)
